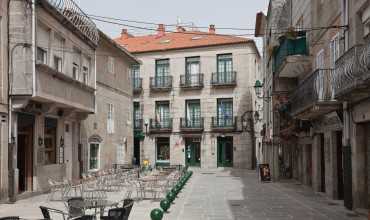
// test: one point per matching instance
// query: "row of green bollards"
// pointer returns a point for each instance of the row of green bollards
(157, 214)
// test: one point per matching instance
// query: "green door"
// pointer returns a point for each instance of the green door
(192, 153)
(224, 151)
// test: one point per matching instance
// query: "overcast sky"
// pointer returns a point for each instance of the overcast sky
(222, 13)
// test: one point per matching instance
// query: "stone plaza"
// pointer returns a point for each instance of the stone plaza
(221, 194)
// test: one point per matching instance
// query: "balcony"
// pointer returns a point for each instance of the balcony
(352, 74)
(192, 125)
(138, 124)
(314, 96)
(291, 57)
(161, 126)
(69, 13)
(161, 83)
(137, 85)
(224, 124)
(194, 81)
(224, 79)
(53, 87)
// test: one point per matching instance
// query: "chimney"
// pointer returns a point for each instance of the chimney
(180, 29)
(161, 30)
(212, 29)
(125, 34)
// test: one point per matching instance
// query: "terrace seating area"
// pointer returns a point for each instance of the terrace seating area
(109, 194)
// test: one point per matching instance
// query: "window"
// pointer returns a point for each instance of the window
(58, 63)
(224, 68)
(41, 55)
(334, 50)
(163, 150)
(135, 74)
(94, 154)
(110, 119)
(75, 71)
(162, 69)
(162, 114)
(50, 140)
(224, 112)
(85, 75)
(193, 114)
(137, 115)
(111, 65)
(192, 70)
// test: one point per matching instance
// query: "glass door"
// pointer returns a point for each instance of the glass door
(192, 155)
(224, 68)
(225, 112)
(192, 71)
(161, 72)
(163, 114)
(193, 114)
(135, 74)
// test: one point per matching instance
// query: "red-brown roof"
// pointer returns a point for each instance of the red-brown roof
(176, 40)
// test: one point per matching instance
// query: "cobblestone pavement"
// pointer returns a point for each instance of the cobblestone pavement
(222, 195)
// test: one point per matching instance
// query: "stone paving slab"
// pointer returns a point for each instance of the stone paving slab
(221, 195)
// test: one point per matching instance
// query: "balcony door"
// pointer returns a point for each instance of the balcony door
(137, 115)
(224, 112)
(224, 68)
(319, 80)
(162, 69)
(162, 114)
(135, 74)
(193, 113)
(192, 70)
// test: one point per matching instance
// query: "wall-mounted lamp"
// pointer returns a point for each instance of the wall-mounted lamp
(258, 87)
(40, 141)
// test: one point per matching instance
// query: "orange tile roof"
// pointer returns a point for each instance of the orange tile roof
(176, 40)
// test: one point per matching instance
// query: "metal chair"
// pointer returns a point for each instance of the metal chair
(46, 212)
(76, 207)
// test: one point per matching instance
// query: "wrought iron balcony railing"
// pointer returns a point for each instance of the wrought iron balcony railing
(138, 124)
(224, 122)
(191, 80)
(316, 89)
(289, 47)
(163, 124)
(137, 84)
(70, 10)
(196, 123)
(161, 82)
(352, 70)
(224, 78)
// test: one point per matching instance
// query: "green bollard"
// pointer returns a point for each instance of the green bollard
(165, 205)
(170, 196)
(156, 214)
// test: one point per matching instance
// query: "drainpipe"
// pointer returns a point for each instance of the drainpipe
(33, 48)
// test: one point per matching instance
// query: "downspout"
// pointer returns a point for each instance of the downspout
(33, 48)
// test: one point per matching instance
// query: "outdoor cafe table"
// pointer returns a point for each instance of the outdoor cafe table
(99, 205)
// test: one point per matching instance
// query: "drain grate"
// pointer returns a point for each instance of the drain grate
(207, 173)
(332, 204)
(236, 205)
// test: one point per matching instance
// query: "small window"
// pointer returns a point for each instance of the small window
(85, 74)
(75, 71)
(94, 160)
(58, 63)
(110, 119)
(41, 55)
(111, 65)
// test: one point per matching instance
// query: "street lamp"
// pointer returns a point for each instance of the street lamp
(258, 87)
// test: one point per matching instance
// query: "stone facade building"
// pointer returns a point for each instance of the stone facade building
(193, 98)
(320, 123)
(53, 82)
(3, 100)
(108, 134)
